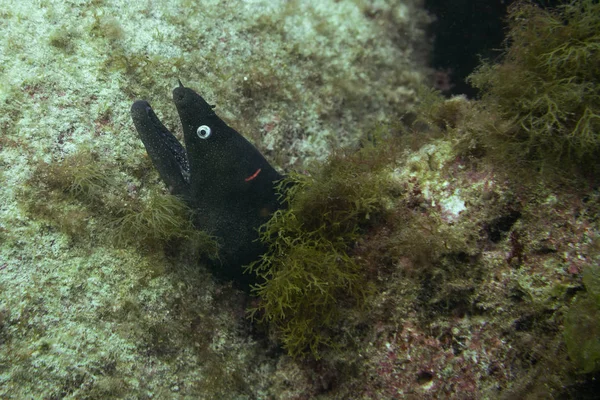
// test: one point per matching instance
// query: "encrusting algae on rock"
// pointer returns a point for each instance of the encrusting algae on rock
(449, 273)
(141, 318)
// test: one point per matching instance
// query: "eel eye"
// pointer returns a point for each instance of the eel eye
(203, 131)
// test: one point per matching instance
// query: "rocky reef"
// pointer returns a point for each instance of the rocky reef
(430, 247)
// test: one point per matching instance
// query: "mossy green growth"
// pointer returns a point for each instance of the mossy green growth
(82, 195)
(547, 86)
(70, 193)
(160, 218)
(582, 324)
(591, 280)
(62, 39)
(310, 277)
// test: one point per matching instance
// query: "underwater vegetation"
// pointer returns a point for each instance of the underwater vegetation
(546, 86)
(97, 299)
(347, 221)
(81, 197)
(540, 112)
(308, 272)
(505, 264)
(582, 324)
(414, 264)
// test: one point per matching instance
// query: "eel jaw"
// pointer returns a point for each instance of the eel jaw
(167, 154)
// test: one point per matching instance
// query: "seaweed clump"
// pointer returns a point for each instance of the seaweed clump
(547, 86)
(582, 324)
(310, 277)
(83, 199)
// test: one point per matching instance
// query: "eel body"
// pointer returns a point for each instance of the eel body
(221, 176)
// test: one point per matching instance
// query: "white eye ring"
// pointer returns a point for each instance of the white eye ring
(203, 131)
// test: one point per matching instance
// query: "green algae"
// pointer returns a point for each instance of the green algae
(172, 328)
(547, 86)
(582, 324)
(139, 319)
(310, 276)
(84, 188)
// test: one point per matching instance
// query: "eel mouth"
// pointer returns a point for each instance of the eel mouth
(165, 151)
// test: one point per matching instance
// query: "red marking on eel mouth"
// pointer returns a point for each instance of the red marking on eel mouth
(254, 175)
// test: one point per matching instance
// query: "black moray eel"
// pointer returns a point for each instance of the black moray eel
(221, 176)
